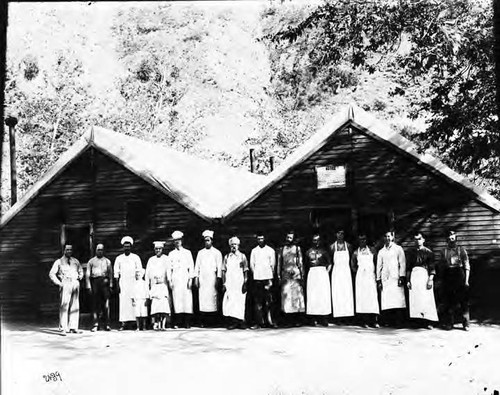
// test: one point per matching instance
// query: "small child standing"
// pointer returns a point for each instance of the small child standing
(139, 299)
(160, 305)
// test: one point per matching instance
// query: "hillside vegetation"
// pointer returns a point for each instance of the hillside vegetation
(200, 77)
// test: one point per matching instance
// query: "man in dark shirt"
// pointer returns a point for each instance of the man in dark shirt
(455, 270)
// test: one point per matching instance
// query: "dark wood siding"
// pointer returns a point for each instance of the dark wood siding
(384, 187)
(95, 190)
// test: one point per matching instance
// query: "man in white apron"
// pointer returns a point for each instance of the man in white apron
(291, 276)
(125, 267)
(208, 275)
(262, 265)
(363, 264)
(342, 292)
(66, 273)
(234, 279)
(420, 273)
(181, 266)
(319, 298)
(391, 277)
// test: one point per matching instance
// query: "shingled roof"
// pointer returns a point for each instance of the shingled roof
(205, 187)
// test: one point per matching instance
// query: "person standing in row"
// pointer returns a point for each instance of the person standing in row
(158, 284)
(99, 281)
(342, 292)
(208, 276)
(318, 266)
(455, 279)
(363, 263)
(66, 273)
(125, 268)
(420, 274)
(391, 272)
(234, 280)
(290, 275)
(140, 300)
(181, 274)
(262, 265)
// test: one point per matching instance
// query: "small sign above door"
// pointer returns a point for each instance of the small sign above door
(331, 176)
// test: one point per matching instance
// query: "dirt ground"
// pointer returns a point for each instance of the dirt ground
(333, 360)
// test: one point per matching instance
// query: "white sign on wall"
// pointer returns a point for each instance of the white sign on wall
(331, 176)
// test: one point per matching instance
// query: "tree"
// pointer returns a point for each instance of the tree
(446, 48)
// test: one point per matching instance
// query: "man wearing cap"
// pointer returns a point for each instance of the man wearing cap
(234, 279)
(262, 265)
(208, 274)
(99, 281)
(125, 267)
(157, 278)
(66, 273)
(455, 271)
(391, 277)
(181, 267)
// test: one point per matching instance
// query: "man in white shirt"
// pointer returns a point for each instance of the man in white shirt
(262, 265)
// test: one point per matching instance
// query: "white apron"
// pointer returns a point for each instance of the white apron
(393, 296)
(182, 267)
(422, 303)
(233, 304)
(208, 266)
(318, 291)
(160, 299)
(366, 285)
(125, 268)
(342, 293)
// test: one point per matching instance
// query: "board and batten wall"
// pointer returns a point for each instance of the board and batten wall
(385, 187)
(91, 195)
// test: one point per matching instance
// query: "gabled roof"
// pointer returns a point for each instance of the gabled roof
(205, 187)
(360, 119)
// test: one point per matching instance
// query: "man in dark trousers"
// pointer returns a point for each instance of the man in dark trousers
(455, 270)
(99, 282)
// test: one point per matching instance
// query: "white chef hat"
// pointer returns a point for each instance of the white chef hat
(208, 233)
(235, 240)
(159, 244)
(176, 235)
(127, 239)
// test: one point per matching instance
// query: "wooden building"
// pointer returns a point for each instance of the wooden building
(354, 173)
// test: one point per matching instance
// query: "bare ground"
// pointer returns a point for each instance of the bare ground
(334, 360)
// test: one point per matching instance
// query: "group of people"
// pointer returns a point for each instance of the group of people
(286, 287)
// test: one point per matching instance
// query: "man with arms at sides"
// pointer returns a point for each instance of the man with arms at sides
(235, 280)
(391, 272)
(291, 276)
(66, 273)
(126, 265)
(99, 282)
(262, 265)
(420, 274)
(363, 263)
(342, 292)
(208, 276)
(319, 299)
(158, 284)
(455, 271)
(181, 273)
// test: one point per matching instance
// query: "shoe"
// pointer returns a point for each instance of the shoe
(95, 328)
(466, 328)
(73, 331)
(429, 327)
(232, 326)
(364, 326)
(376, 325)
(63, 332)
(107, 329)
(122, 327)
(255, 327)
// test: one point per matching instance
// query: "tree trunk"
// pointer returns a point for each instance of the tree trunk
(496, 34)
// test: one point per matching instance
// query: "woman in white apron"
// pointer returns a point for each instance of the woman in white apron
(421, 272)
(391, 272)
(234, 278)
(318, 295)
(342, 292)
(208, 272)
(181, 273)
(157, 279)
(363, 264)
(125, 268)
